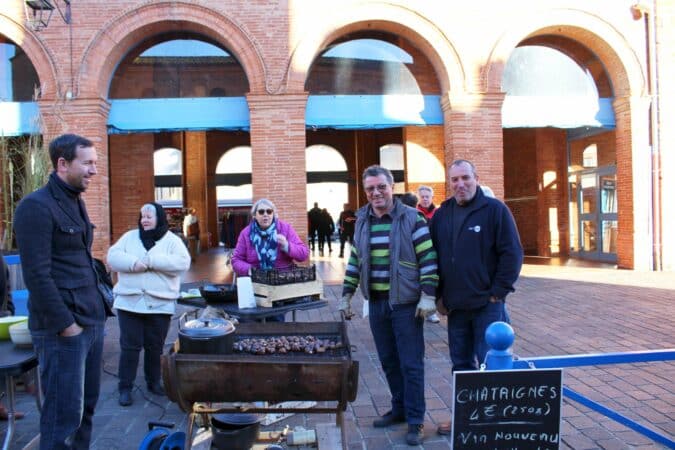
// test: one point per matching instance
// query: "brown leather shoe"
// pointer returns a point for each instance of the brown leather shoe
(445, 429)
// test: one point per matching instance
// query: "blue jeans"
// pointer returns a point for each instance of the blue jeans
(141, 331)
(70, 372)
(399, 339)
(466, 334)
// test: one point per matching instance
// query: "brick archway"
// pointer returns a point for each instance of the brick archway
(381, 17)
(620, 61)
(135, 25)
(629, 88)
(39, 56)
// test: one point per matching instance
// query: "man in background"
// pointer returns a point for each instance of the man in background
(346, 223)
(426, 201)
(191, 232)
(426, 206)
(314, 219)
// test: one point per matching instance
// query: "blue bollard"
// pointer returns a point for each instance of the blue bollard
(499, 336)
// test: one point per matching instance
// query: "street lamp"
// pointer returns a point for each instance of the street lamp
(39, 12)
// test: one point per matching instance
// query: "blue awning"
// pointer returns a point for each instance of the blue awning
(323, 111)
(372, 111)
(232, 113)
(176, 114)
(17, 118)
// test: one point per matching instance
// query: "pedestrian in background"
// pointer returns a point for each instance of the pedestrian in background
(426, 201)
(346, 223)
(409, 199)
(394, 263)
(314, 220)
(67, 311)
(479, 260)
(426, 206)
(325, 229)
(191, 232)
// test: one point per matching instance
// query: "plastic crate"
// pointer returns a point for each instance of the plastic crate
(277, 277)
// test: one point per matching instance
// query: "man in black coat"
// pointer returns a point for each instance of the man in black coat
(346, 225)
(66, 310)
(314, 220)
(479, 261)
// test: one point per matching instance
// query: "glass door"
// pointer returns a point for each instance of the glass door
(593, 214)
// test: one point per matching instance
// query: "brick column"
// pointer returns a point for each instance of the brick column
(194, 181)
(86, 117)
(473, 131)
(278, 153)
(552, 204)
(633, 174)
(425, 159)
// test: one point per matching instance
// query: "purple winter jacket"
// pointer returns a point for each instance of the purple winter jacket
(244, 256)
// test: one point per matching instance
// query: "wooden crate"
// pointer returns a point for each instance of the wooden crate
(266, 295)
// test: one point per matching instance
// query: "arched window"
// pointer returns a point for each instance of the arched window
(18, 79)
(333, 192)
(364, 66)
(178, 68)
(233, 177)
(391, 157)
(168, 168)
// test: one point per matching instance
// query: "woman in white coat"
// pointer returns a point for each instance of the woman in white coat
(149, 262)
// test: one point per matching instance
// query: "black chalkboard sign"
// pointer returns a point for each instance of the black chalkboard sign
(507, 410)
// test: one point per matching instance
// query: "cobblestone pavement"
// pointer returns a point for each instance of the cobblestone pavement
(557, 310)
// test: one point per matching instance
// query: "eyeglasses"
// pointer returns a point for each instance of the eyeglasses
(269, 212)
(379, 187)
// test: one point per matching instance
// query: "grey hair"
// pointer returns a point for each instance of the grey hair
(425, 188)
(149, 207)
(263, 201)
(377, 170)
(459, 162)
(487, 191)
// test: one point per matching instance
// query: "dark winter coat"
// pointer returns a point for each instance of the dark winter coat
(485, 260)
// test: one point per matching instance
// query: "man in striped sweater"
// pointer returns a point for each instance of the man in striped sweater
(394, 263)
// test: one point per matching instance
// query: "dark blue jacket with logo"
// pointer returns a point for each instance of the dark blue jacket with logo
(485, 260)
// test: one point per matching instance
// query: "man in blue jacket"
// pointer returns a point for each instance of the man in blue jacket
(479, 260)
(66, 310)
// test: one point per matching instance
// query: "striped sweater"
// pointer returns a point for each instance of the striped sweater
(380, 264)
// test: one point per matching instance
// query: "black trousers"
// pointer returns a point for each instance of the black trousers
(323, 238)
(141, 331)
(344, 237)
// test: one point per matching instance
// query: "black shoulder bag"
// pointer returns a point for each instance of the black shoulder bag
(104, 284)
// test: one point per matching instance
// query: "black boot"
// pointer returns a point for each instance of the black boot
(126, 399)
(156, 388)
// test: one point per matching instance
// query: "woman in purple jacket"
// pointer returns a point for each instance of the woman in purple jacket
(267, 243)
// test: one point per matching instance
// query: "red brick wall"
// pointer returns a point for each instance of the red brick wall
(473, 131)
(429, 139)
(606, 149)
(521, 184)
(132, 184)
(553, 214)
(194, 188)
(278, 147)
